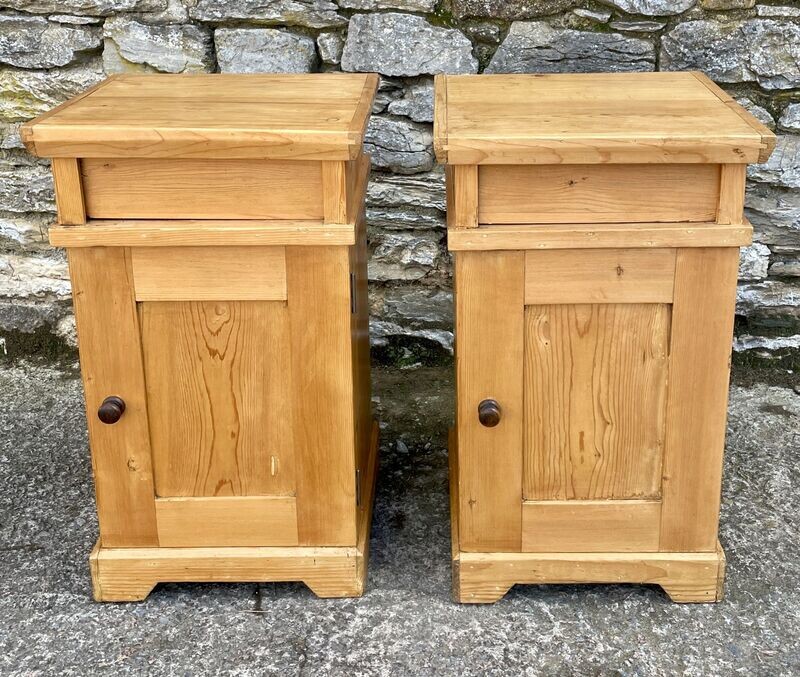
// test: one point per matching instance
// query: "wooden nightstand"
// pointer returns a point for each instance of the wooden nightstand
(595, 222)
(216, 239)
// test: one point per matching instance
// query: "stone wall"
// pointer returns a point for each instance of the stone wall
(51, 50)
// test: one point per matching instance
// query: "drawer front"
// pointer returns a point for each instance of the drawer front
(597, 193)
(202, 189)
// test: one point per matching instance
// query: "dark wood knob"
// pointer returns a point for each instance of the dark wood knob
(489, 413)
(111, 410)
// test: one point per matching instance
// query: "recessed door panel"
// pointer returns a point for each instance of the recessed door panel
(219, 399)
(595, 391)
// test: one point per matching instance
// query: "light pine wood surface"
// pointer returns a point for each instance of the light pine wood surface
(685, 577)
(206, 232)
(702, 332)
(599, 276)
(598, 236)
(226, 521)
(462, 196)
(111, 364)
(624, 194)
(490, 330)
(731, 193)
(219, 397)
(69, 191)
(595, 393)
(292, 116)
(596, 193)
(594, 118)
(143, 188)
(323, 427)
(130, 574)
(590, 526)
(209, 273)
(221, 289)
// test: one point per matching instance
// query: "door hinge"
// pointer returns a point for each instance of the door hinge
(353, 293)
(358, 488)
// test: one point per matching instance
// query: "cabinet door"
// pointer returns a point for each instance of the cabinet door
(610, 369)
(234, 364)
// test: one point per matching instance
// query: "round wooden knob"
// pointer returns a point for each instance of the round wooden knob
(489, 413)
(111, 410)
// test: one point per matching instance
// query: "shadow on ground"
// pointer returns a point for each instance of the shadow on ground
(406, 623)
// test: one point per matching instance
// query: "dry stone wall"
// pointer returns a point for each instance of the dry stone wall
(52, 50)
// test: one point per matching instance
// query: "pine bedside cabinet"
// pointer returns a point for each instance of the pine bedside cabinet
(595, 222)
(216, 244)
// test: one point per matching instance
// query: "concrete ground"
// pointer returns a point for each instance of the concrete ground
(406, 623)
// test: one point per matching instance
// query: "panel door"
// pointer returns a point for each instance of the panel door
(609, 369)
(235, 368)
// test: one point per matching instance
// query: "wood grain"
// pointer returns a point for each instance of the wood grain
(291, 116)
(167, 188)
(219, 398)
(702, 330)
(206, 232)
(129, 574)
(111, 364)
(209, 273)
(335, 193)
(767, 135)
(592, 118)
(26, 130)
(318, 284)
(490, 330)
(599, 276)
(590, 526)
(69, 191)
(597, 193)
(596, 236)
(462, 196)
(731, 193)
(360, 350)
(226, 521)
(686, 577)
(595, 392)
(440, 116)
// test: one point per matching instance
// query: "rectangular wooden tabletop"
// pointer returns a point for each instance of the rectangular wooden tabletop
(308, 116)
(592, 118)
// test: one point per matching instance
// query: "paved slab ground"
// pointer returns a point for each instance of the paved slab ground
(406, 624)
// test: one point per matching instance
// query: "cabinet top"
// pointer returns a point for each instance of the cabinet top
(293, 116)
(593, 118)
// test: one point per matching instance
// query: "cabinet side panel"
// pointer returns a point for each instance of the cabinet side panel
(702, 327)
(318, 288)
(489, 334)
(218, 393)
(362, 403)
(111, 364)
(595, 396)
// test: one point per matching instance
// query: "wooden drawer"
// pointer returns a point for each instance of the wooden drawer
(141, 188)
(597, 193)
